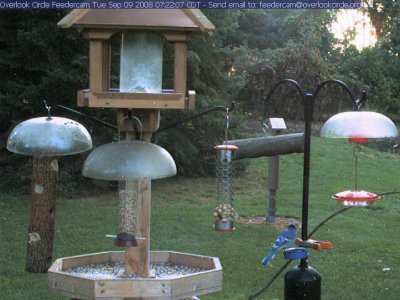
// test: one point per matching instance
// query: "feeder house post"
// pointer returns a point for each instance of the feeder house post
(143, 33)
(224, 212)
(276, 125)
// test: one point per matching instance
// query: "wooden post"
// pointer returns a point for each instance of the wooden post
(273, 183)
(277, 125)
(42, 215)
(180, 67)
(99, 65)
(137, 259)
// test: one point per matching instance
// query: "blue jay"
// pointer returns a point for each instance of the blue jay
(287, 237)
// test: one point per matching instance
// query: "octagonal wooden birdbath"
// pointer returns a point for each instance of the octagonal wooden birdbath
(205, 277)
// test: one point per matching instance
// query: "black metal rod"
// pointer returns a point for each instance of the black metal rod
(308, 104)
(345, 87)
(271, 280)
(294, 83)
(76, 112)
(327, 219)
(185, 120)
(308, 113)
(356, 148)
(389, 193)
(217, 108)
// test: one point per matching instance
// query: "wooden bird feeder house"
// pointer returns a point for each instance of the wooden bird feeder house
(99, 25)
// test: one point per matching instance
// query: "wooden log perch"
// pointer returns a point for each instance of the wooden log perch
(269, 145)
(42, 215)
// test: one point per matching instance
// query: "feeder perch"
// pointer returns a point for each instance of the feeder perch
(45, 138)
(316, 245)
(224, 212)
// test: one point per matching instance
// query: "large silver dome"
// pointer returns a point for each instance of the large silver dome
(45, 136)
(129, 160)
(359, 124)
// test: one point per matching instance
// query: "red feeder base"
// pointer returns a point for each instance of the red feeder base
(358, 140)
(356, 198)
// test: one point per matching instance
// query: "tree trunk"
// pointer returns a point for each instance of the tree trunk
(269, 145)
(42, 214)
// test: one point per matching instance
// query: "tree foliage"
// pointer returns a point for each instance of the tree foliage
(292, 44)
(249, 51)
(38, 61)
(385, 16)
(377, 69)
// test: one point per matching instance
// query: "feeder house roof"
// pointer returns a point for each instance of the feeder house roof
(150, 19)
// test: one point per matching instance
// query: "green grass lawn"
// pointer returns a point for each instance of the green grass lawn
(364, 264)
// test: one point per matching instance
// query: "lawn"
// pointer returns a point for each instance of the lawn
(364, 264)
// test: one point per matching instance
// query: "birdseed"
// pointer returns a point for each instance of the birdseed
(116, 270)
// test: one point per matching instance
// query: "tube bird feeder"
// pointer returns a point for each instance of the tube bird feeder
(224, 212)
(126, 162)
(45, 138)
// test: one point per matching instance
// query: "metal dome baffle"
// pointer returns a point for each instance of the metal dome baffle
(127, 161)
(49, 136)
(359, 124)
(45, 138)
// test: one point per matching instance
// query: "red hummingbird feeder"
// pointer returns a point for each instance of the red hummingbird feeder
(358, 132)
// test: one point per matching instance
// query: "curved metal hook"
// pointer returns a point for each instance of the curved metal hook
(232, 107)
(222, 108)
(362, 101)
(130, 118)
(48, 110)
(346, 88)
(290, 81)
